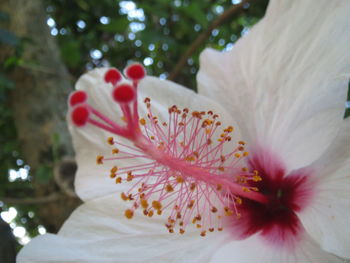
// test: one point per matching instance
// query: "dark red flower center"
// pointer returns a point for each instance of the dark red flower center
(288, 193)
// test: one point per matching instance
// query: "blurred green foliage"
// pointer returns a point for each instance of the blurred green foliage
(155, 32)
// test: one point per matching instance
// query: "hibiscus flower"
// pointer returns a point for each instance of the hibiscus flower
(283, 190)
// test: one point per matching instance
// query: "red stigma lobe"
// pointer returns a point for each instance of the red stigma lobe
(80, 115)
(77, 97)
(135, 72)
(113, 76)
(124, 93)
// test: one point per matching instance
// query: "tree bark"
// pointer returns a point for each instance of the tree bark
(39, 105)
(42, 85)
(7, 244)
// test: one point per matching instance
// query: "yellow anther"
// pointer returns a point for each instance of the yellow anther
(221, 168)
(256, 172)
(169, 188)
(254, 189)
(245, 169)
(241, 142)
(179, 179)
(190, 158)
(208, 121)
(171, 221)
(124, 197)
(228, 212)
(156, 205)
(198, 217)
(222, 158)
(241, 179)
(245, 189)
(220, 229)
(142, 121)
(218, 187)
(203, 233)
(129, 177)
(115, 151)
(192, 187)
(144, 203)
(214, 209)
(181, 231)
(191, 204)
(114, 169)
(99, 159)
(129, 213)
(257, 178)
(150, 213)
(110, 140)
(209, 141)
(211, 229)
(171, 230)
(159, 212)
(238, 201)
(240, 148)
(198, 225)
(112, 175)
(178, 215)
(118, 180)
(237, 155)
(245, 154)
(207, 131)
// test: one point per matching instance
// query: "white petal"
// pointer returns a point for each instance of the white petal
(287, 78)
(254, 250)
(328, 219)
(98, 232)
(92, 180)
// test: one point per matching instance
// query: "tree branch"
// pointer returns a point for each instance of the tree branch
(232, 11)
(32, 201)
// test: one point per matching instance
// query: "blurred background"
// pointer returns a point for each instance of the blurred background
(46, 46)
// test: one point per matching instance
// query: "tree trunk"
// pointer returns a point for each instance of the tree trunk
(39, 105)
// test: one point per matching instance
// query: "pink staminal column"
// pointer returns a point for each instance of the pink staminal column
(185, 171)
